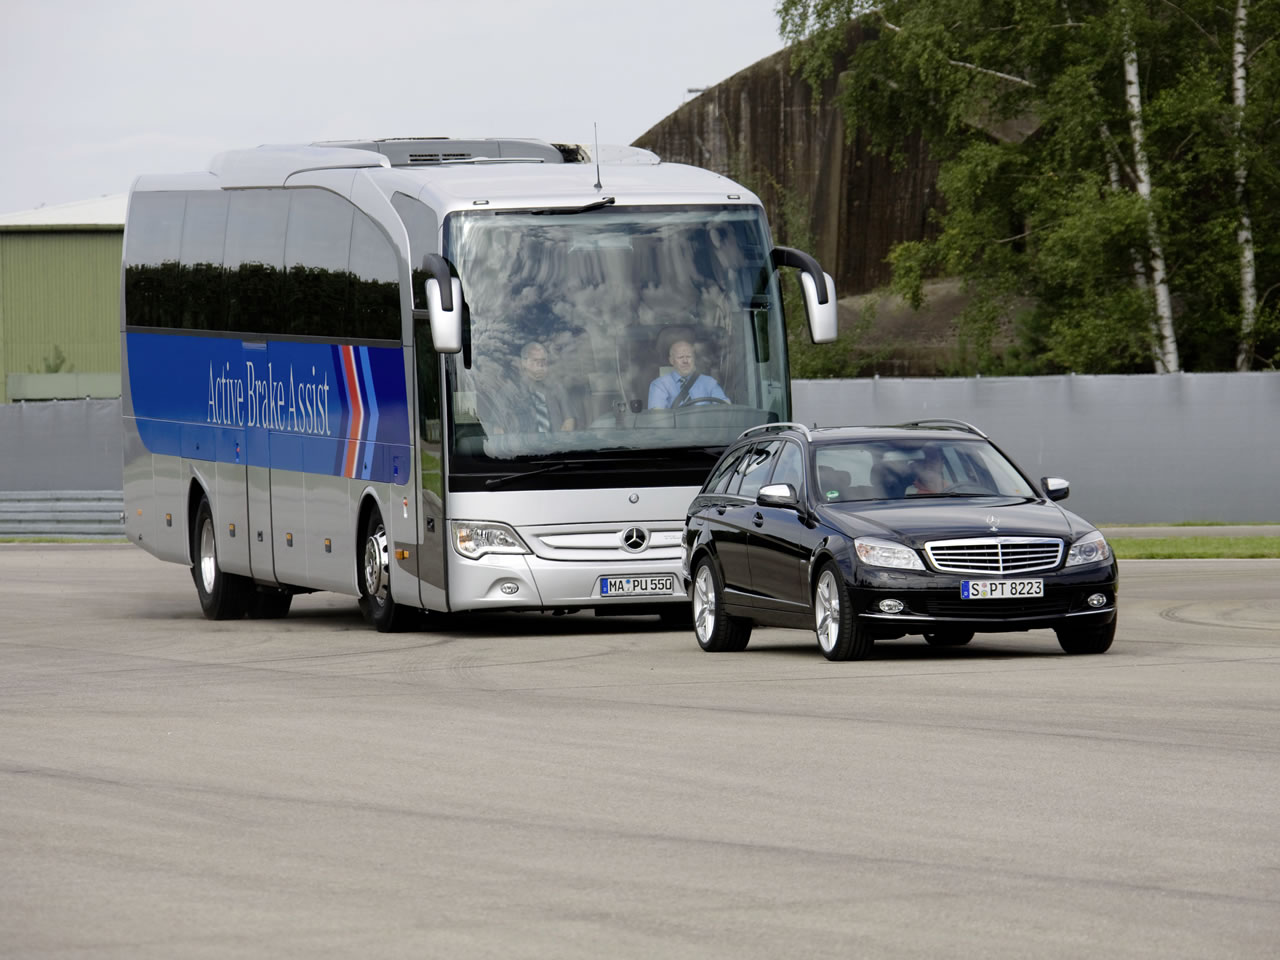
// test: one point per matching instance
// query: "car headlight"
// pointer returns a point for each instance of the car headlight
(886, 553)
(475, 538)
(1091, 548)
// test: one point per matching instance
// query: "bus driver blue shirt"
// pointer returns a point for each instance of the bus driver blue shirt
(664, 390)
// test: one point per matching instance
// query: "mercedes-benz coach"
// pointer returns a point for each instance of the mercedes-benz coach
(441, 374)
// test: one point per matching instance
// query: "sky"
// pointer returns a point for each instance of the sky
(93, 94)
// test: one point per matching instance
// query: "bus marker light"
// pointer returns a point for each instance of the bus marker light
(328, 545)
(288, 539)
(168, 519)
(232, 528)
(402, 554)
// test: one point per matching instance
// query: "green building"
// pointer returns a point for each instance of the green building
(60, 301)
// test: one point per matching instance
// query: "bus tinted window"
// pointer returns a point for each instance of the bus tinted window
(204, 231)
(316, 256)
(423, 227)
(375, 284)
(153, 285)
(254, 258)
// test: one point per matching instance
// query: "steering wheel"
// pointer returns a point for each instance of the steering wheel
(693, 400)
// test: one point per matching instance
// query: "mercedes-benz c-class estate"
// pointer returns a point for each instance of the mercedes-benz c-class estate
(864, 533)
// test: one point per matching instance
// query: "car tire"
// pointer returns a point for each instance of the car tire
(223, 596)
(839, 635)
(717, 632)
(1084, 640)
(948, 638)
(374, 576)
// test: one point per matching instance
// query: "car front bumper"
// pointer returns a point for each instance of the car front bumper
(932, 602)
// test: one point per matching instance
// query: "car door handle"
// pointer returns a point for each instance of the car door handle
(758, 520)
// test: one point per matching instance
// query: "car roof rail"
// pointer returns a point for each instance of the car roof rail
(777, 425)
(946, 423)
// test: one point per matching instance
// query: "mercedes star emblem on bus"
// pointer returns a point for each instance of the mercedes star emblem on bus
(634, 539)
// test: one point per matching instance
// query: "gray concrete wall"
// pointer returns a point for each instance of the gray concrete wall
(61, 445)
(1179, 448)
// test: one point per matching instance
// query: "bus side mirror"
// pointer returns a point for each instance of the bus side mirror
(444, 304)
(819, 293)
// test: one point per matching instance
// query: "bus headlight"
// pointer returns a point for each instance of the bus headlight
(474, 538)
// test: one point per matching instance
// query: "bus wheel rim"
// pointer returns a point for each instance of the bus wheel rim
(376, 564)
(208, 557)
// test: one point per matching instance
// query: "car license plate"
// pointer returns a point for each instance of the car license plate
(1000, 589)
(636, 586)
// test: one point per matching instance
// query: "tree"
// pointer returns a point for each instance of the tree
(1102, 159)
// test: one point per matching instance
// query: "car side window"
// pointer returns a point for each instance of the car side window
(720, 479)
(756, 468)
(789, 467)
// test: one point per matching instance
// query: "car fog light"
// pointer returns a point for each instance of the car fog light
(890, 606)
(1097, 600)
(509, 588)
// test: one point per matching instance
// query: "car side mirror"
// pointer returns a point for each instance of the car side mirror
(777, 495)
(1055, 488)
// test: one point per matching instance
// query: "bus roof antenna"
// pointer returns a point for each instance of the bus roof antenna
(596, 127)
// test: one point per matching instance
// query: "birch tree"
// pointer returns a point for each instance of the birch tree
(1098, 161)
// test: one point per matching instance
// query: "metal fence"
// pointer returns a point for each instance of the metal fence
(80, 514)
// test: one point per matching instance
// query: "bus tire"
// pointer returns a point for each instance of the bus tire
(376, 603)
(268, 603)
(223, 596)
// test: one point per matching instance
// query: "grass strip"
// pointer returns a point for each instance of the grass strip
(1195, 548)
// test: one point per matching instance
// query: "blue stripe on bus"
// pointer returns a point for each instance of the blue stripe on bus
(371, 399)
(285, 406)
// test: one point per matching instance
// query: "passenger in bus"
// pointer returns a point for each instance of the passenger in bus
(536, 405)
(683, 384)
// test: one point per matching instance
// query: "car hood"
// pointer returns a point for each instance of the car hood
(917, 521)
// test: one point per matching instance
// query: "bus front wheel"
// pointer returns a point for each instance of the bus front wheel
(376, 602)
(223, 596)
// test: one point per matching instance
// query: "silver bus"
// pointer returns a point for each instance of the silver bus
(443, 375)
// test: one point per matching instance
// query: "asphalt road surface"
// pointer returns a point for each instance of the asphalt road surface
(584, 787)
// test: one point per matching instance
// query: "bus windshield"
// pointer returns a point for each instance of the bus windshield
(610, 331)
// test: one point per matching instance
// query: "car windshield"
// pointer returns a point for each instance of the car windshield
(905, 468)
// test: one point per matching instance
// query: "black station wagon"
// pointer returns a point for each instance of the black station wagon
(866, 533)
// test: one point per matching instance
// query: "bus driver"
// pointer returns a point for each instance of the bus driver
(683, 384)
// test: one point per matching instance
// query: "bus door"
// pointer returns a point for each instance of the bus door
(433, 537)
(258, 479)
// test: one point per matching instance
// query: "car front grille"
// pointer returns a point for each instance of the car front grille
(997, 609)
(999, 556)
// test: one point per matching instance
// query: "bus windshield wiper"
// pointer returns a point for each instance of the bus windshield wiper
(593, 205)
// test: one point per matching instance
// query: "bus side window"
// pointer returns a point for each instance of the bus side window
(255, 260)
(375, 283)
(152, 284)
(317, 252)
(204, 234)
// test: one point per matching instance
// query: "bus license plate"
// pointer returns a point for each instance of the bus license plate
(1001, 589)
(636, 586)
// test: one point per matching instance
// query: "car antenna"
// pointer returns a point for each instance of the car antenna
(596, 127)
